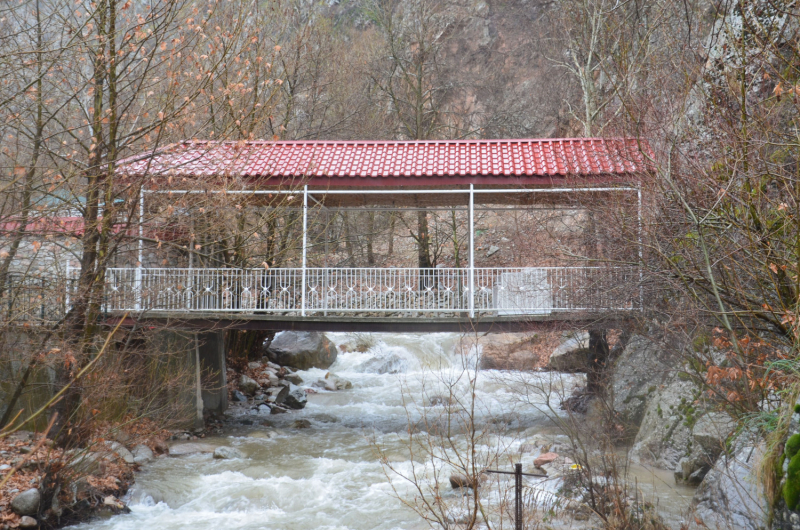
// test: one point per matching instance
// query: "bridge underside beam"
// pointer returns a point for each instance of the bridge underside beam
(390, 325)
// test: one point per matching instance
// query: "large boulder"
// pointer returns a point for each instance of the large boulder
(664, 435)
(302, 350)
(572, 355)
(711, 432)
(708, 440)
(27, 502)
(731, 495)
(391, 364)
(639, 371)
(512, 351)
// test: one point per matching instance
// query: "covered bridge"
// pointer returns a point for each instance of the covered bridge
(480, 184)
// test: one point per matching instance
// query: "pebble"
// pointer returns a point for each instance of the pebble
(28, 522)
(545, 458)
(461, 481)
(5, 467)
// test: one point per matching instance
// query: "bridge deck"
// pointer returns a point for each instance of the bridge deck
(212, 321)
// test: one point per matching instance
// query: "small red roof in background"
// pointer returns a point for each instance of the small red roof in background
(354, 163)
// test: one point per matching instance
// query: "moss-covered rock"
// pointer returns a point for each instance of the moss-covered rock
(792, 446)
(791, 487)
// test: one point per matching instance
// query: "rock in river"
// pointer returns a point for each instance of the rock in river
(27, 502)
(392, 364)
(294, 378)
(295, 398)
(142, 454)
(462, 481)
(227, 453)
(333, 382)
(571, 355)
(190, 448)
(277, 395)
(248, 385)
(302, 350)
(546, 458)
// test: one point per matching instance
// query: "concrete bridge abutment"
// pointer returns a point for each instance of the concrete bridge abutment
(201, 357)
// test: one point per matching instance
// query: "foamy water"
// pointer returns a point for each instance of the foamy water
(330, 476)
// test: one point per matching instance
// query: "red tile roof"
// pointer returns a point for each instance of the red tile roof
(378, 162)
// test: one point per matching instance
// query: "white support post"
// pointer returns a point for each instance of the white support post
(305, 252)
(138, 283)
(641, 253)
(67, 285)
(471, 251)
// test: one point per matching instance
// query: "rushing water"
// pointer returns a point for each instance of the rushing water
(329, 476)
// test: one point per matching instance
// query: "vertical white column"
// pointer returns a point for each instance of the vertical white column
(471, 251)
(138, 284)
(641, 253)
(190, 283)
(305, 252)
(67, 285)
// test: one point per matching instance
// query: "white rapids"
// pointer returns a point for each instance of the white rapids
(330, 476)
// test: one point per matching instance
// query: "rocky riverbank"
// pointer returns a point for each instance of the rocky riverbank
(43, 486)
(272, 385)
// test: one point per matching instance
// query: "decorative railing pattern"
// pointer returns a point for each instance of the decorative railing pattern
(28, 298)
(373, 292)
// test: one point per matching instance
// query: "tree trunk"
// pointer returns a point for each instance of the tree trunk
(423, 240)
(392, 220)
(370, 239)
(348, 242)
(598, 358)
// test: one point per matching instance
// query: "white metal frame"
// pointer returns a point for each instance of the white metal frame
(470, 287)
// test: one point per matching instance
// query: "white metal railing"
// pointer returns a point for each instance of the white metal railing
(373, 292)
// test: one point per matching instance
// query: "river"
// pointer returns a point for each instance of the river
(330, 475)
